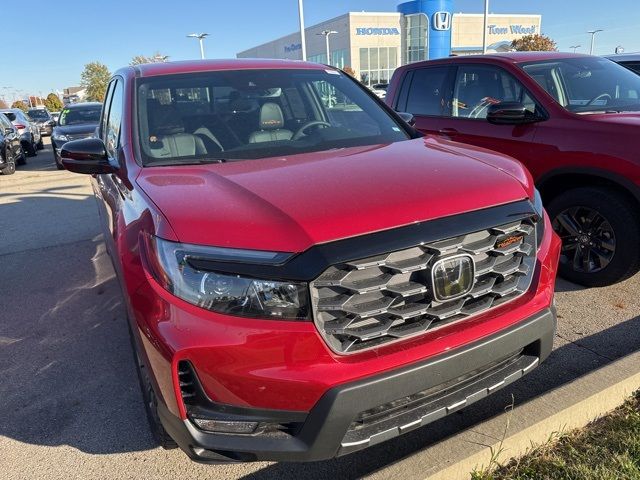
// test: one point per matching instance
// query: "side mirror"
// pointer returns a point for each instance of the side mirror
(408, 118)
(8, 130)
(88, 156)
(510, 113)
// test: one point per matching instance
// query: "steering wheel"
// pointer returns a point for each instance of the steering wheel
(316, 123)
(602, 96)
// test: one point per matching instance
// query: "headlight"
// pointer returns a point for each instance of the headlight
(537, 205)
(61, 137)
(170, 265)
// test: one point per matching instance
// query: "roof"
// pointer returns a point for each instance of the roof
(83, 104)
(510, 57)
(519, 57)
(625, 57)
(192, 66)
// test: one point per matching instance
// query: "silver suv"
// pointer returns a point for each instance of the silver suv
(28, 130)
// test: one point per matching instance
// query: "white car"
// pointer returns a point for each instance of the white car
(380, 89)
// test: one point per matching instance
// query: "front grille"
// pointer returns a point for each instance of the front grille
(365, 303)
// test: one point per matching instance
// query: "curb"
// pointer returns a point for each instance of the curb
(571, 406)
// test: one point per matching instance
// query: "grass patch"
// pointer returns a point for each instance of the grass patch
(607, 449)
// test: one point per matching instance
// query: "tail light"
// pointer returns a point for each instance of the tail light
(19, 126)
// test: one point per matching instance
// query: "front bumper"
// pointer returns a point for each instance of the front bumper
(432, 389)
(46, 130)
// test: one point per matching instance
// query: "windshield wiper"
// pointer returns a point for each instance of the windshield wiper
(176, 161)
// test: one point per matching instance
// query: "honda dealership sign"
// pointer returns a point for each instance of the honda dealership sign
(441, 21)
(439, 15)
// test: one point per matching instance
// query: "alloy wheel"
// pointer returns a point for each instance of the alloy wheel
(588, 240)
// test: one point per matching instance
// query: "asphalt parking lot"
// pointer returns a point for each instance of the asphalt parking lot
(70, 405)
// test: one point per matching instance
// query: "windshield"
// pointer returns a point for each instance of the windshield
(79, 116)
(588, 84)
(10, 115)
(253, 114)
(39, 114)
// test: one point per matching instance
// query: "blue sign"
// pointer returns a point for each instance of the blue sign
(377, 31)
(293, 47)
(439, 15)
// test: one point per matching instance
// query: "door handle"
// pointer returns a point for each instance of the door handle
(448, 131)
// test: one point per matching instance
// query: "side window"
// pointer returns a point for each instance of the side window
(114, 120)
(105, 110)
(4, 122)
(477, 87)
(429, 92)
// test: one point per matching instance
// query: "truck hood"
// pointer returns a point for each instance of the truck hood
(625, 118)
(289, 204)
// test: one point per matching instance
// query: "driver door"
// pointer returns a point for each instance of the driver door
(475, 88)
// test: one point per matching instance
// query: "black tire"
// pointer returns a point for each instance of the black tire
(30, 148)
(10, 165)
(40, 144)
(608, 235)
(150, 399)
(22, 158)
(57, 160)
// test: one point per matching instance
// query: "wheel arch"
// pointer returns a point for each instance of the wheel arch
(558, 181)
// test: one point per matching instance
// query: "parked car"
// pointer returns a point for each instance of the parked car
(380, 89)
(11, 153)
(309, 278)
(571, 119)
(43, 119)
(29, 132)
(76, 121)
(629, 60)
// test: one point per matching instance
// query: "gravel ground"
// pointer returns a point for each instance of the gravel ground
(70, 405)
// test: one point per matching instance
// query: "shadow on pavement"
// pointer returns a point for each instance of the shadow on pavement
(67, 369)
(38, 163)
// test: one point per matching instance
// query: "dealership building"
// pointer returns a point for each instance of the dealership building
(374, 44)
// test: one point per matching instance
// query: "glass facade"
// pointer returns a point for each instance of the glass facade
(416, 40)
(338, 58)
(377, 64)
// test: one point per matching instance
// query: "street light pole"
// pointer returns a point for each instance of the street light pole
(326, 34)
(575, 47)
(593, 39)
(303, 41)
(200, 37)
(486, 26)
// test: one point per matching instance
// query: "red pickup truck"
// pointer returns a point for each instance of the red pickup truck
(573, 120)
(305, 274)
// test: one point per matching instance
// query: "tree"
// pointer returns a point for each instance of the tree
(53, 103)
(141, 59)
(534, 43)
(20, 104)
(3, 104)
(349, 71)
(94, 79)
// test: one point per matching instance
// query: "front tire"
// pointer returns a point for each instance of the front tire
(10, 166)
(57, 160)
(600, 234)
(31, 148)
(22, 157)
(150, 399)
(40, 144)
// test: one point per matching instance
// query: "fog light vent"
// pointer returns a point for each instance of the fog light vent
(222, 426)
(187, 379)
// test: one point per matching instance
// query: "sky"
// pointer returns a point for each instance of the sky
(52, 47)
